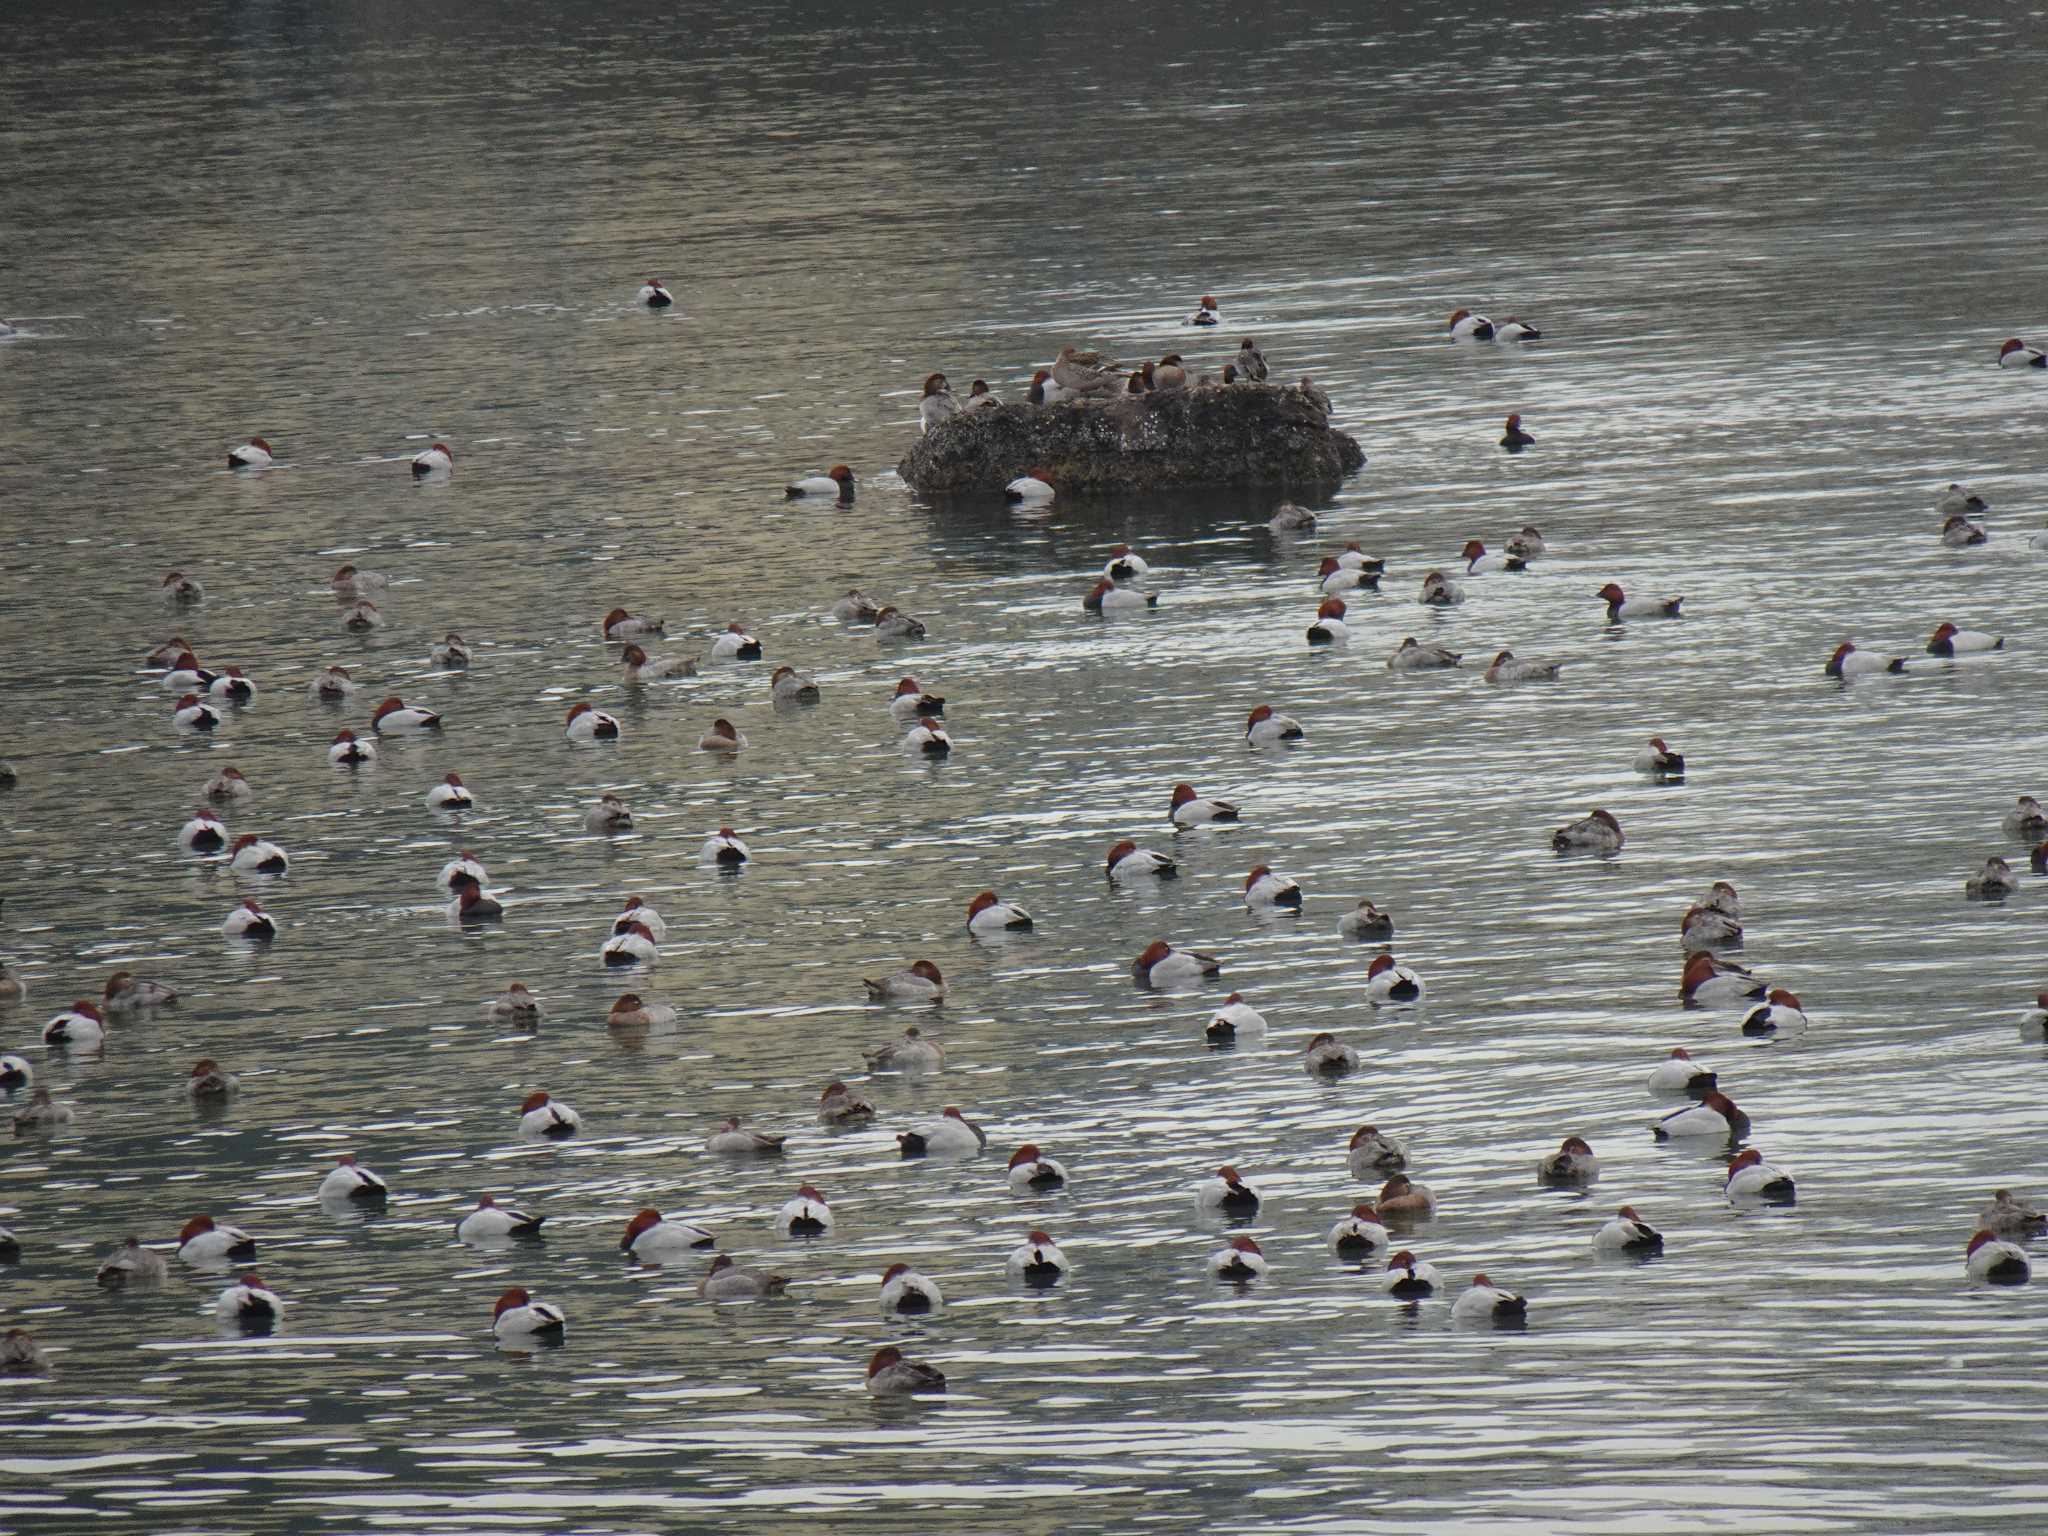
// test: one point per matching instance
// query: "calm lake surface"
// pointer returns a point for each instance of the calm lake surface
(1773, 249)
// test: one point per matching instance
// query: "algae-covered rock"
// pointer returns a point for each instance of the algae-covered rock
(1235, 434)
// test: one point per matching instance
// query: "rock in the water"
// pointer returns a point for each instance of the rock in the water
(1236, 434)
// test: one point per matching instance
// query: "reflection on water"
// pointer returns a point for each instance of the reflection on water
(1772, 296)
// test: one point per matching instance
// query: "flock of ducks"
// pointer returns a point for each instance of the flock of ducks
(1371, 1234)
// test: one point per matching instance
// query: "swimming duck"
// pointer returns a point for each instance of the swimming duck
(1240, 1260)
(1848, 662)
(1528, 544)
(951, 1135)
(254, 454)
(1334, 577)
(252, 855)
(451, 652)
(1205, 313)
(250, 1305)
(1291, 519)
(1961, 533)
(1389, 984)
(985, 914)
(517, 1004)
(1263, 888)
(635, 946)
(1659, 761)
(544, 1119)
(893, 624)
(610, 815)
(396, 717)
(1950, 641)
(79, 1027)
(2007, 1217)
(1958, 500)
(1034, 1174)
(185, 674)
(2026, 820)
(919, 982)
(938, 403)
(1037, 1261)
(1329, 627)
(1514, 439)
(979, 397)
(1107, 597)
(928, 738)
(451, 794)
(1994, 882)
(1751, 1178)
(735, 644)
(349, 752)
(1408, 1278)
(1127, 862)
(1082, 374)
(2017, 354)
(912, 1054)
(630, 1011)
(1478, 562)
(1371, 1153)
(1366, 921)
(1992, 1260)
(729, 1140)
(352, 1183)
(362, 617)
(1235, 1021)
(204, 1244)
(1185, 808)
(465, 866)
(518, 1319)
(911, 701)
(1327, 1056)
(836, 482)
(228, 785)
(1715, 1115)
(1358, 1237)
(1571, 1166)
(470, 904)
(1030, 488)
(40, 1114)
(722, 848)
(168, 652)
(132, 1267)
(1628, 1233)
(204, 833)
(15, 1074)
(1705, 926)
(1224, 1193)
(622, 625)
(232, 685)
(1509, 668)
(1439, 591)
(1512, 329)
(1710, 982)
(723, 736)
(892, 1374)
(806, 1216)
(182, 591)
(1414, 657)
(856, 607)
(191, 713)
(654, 295)
(1598, 832)
(1263, 728)
(904, 1290)
(1404, 1200)
(1620, 606)
(1466, 326)
(1161, 965)
(1484, 1304)
(1677, 1073)
(786, 685)
(437, 460)
(1125, 564)
(653, 1238)
(491, 1222)
(587, 724)
(1779, 1010)
(20, 1354)
(348, 579)
(840, 1106)
(332, 686)
(208, 1082)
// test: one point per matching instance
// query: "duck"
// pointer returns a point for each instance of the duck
(15, 1074)
(1264, 728)
(182, 591)
(1678, 1073)
(786, 685)
(1240, 1260)
(185, 674)
(1333, 577)
(544, 1119)
(518, 1004)
(1107, 597)
(1949, 641)
(167, 653)
(928, 738)
(348, 579)
(893, 624)
(1127, 862)
(1029, 488)
(491, 1222)
(905, 1291)
(1528, 544)
(352, 1183)
(1371, 1153)
(1961, 533)
(252, 855)
(1263, 888)
(1082, 374)
(1327, 1056)
(1037, 1261)
(911, 702)
(1779, 1010)
(637, 667)
(1992, 1260)
(979, 397)
(1403, 1199)
(729, 1140)
(1958, 499)
(1390, 984)
(630, 1011)
(1485, 1304)
(451, 794)
(204, 833)
(587, 724)
(839, 1106)
(40, 1114)
(333, 686)
(805, 1216)
(1224, 1193)
(1597, 832)
(250, 1305)
(735, 644)
(1439, 591)
(837, 482)
(1412, 656)
(256, 453)
(1408, 1278)
(1250, 362)
(1329, 627)
(635, 946)
(347, 751)
(229, 785)
(653, 1238)
(1466, 326)
(893, 1374)
(362, 617)
(610, 815)
(951, 1135)
(986, 914)
(1032, 1173)
(234, 686)
(723, 736)
(20, 1354)
(1358, 1237)
(203, 1243)
(1514, 439)
(724, 849)
(1994, 882)
(1571, 1166)
(396, 717)
(1205, 313)
(132, 1267)
(1185, 808)
(79, 1027)
(1478, 562)
(1290, 518)
(919, 982)
(2007, 1217)
(2026, 820)
(1125, 564)
(620, 624)
(1751, 1178)
(1715, 1115)
(1848, 662)
(1658, 760)
(191, 713)
(912, 1054)
(1235, 1021)
(1314, 394)
(451, 652)
(1367, 922)
(1046, 390)
(938, 403)
(856, 607)
(437, 460)
(208, 1082)
(1709, 982)
(465, 866)
(1161, 965)
(654, 295)
(1513, 329)
(1627, 1233)
(1621, 606)
(471, 904)
(2017, 354)
(518, 1319)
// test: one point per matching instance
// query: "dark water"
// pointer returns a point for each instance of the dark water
(1774, 249)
